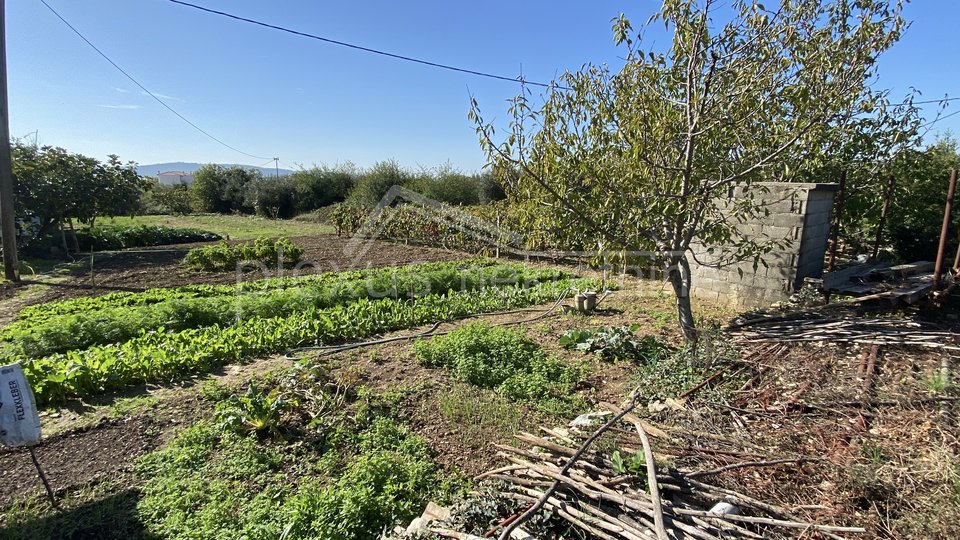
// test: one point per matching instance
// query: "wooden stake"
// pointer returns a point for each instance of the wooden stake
(43, 478)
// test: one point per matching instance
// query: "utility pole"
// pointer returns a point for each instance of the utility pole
(276, 163)
(8, 226)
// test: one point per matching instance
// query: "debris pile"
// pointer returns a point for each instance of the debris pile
(812, 327)
(606, 498)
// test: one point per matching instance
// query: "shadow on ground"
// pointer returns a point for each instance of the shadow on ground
(111, 518)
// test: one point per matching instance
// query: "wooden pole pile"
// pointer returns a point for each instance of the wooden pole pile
(602, 500)
(848, 330)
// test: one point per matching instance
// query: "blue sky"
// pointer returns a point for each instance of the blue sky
(273, 94)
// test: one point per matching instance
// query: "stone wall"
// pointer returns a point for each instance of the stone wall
(799, 214)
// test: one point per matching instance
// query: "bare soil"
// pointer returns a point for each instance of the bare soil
(145, 268)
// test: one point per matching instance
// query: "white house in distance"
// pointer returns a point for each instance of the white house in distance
(172, 178)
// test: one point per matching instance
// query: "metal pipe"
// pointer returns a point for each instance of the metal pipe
(938, 269)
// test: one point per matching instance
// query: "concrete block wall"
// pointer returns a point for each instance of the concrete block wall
(799, 215)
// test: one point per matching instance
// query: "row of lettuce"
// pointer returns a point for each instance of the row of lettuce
(123, 340)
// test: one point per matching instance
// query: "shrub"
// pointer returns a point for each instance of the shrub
(451, 186)
(222, 189)
(505, 360)
(375, 183)
(129, 236)
(319, 187)
(274, 198)
(224, 257)
(164, 199)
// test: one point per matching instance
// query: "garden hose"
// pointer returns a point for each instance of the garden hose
(333, 349)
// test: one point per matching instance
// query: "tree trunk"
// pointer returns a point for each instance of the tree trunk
(679, 276)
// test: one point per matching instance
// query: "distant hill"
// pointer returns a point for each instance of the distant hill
(157, 168)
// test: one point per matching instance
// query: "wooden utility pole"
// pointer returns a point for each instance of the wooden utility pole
(8, 226)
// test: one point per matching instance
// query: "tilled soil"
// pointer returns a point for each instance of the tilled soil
(146, 268)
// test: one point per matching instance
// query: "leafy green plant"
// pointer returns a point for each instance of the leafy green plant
(162, 356)
(614, 343)
(76, 329)
(255, 411)
(636, 464)
(504, 360)
(84, 304)
(128, 236)
(224, 257)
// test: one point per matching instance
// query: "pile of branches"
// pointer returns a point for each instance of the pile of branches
(604, 500)
(845, 329)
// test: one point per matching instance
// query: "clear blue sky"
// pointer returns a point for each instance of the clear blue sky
(273, 94)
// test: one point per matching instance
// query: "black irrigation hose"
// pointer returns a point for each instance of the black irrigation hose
(333, 349)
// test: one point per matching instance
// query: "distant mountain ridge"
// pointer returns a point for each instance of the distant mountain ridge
(157, 168)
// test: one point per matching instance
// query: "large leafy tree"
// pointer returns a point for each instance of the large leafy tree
(643, 158)
(221, 189)
(54, 184)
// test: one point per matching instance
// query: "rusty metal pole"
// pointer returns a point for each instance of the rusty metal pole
(938, 269)
(838, 213)
(883, 217)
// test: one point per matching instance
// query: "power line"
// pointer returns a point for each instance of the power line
(936, 100)
(939, 119)
(142, 87)
(365, 49)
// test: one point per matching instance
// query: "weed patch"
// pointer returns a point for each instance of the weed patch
(353, 479)
(504, 360)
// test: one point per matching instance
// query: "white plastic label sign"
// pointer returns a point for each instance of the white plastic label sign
(19, 421)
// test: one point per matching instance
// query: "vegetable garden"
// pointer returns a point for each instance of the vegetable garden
(87, 346)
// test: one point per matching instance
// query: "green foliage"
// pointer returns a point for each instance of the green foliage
(163, 199)
(159, 355)
(274, 198)
(263, 251)
(448, 185)
(218, 484)
(677, 371)
(35, 314)
(70, 329)
(130, 236)
(681, 130)
(220, 189)
(504, 360)
(256, 411)
(474, 408)
(614, 343)
(53, 184)
(636, 464)
(916, 213)
(404, 223)
(321, 186)
(376, 182)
